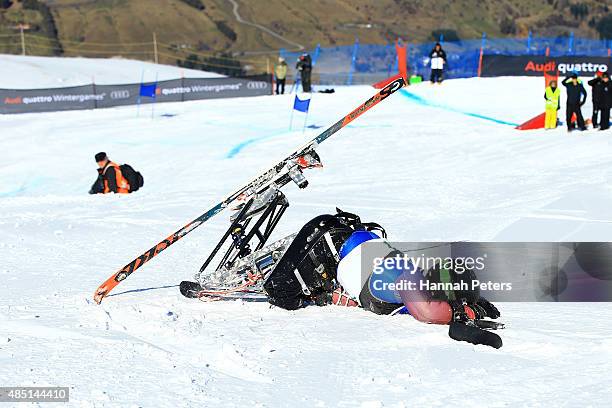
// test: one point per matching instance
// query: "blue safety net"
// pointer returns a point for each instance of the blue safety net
(369, 63)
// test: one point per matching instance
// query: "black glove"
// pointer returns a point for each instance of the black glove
(98, 186)
(483, 308)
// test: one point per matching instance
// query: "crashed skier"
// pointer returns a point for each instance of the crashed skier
(323, 265)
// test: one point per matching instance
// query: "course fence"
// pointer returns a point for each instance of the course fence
(366, 64)
(340, 65)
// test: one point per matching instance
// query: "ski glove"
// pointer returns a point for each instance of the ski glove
(483, 308)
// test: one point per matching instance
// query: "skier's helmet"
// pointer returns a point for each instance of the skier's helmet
(357, 238)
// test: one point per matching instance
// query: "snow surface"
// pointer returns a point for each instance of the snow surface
(24, 72)
(421, 164)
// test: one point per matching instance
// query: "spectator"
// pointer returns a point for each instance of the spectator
(280, 72)
(576, 97)
(606, 101)
(110, 179)
(596, 95)
(437, 58)
(304, 66)
(552, 95)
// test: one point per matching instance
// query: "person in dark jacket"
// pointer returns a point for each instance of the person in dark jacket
(437, 58)
(576, 97)
(110, 179)
(304, 66)
(596, 96)
(606, 101)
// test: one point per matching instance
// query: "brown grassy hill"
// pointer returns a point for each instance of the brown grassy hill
(202, 27)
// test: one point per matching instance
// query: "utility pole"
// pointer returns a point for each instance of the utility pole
(21, 28)
(155, 48)
(22, 39)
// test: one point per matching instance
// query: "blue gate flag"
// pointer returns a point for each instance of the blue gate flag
(148, 90)
(301, 105)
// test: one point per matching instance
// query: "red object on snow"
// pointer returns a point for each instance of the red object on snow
(533, 123)
(402, 51)
(385, 82)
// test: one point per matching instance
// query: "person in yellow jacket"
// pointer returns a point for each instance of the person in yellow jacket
(552, 95)
(280, 73)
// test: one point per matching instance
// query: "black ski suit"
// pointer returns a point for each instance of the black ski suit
(597, 98)
(304, 65)
(576, 97)
(606, 104)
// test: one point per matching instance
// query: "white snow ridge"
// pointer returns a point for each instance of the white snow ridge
(435, 163)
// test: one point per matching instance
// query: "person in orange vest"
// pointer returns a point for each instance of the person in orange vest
(110, 179)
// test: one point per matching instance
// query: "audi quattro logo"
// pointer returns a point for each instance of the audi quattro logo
(120, 94)
(257, 85)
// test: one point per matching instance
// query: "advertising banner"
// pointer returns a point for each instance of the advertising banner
(106, 96)
(530, 65)
(45, 100)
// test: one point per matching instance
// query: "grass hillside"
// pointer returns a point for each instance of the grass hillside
(197, 28)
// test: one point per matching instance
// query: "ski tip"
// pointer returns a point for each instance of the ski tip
(99, 295)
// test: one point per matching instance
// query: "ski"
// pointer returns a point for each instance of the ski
(286, 170)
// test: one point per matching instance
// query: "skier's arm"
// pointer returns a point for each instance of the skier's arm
(583, 92)
(111, 177)
(564, 82)
(419, 303)
(593, 81)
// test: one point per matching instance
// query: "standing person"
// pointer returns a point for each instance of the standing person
(110, 178)
(552, 95)
(304, 66)
(576, 97)
(437, 58)
(597, 97)
(280, 72)
(606, 101)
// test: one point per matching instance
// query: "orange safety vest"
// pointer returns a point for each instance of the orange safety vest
(123, 187)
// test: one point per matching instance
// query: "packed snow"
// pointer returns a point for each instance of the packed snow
(25, 72)
(431, 163)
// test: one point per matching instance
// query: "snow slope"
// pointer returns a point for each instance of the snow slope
(421, 164)
(19, 72)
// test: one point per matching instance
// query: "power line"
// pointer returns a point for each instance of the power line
(178, 58)
(96, 44)
(80, 50)
(202, 54)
